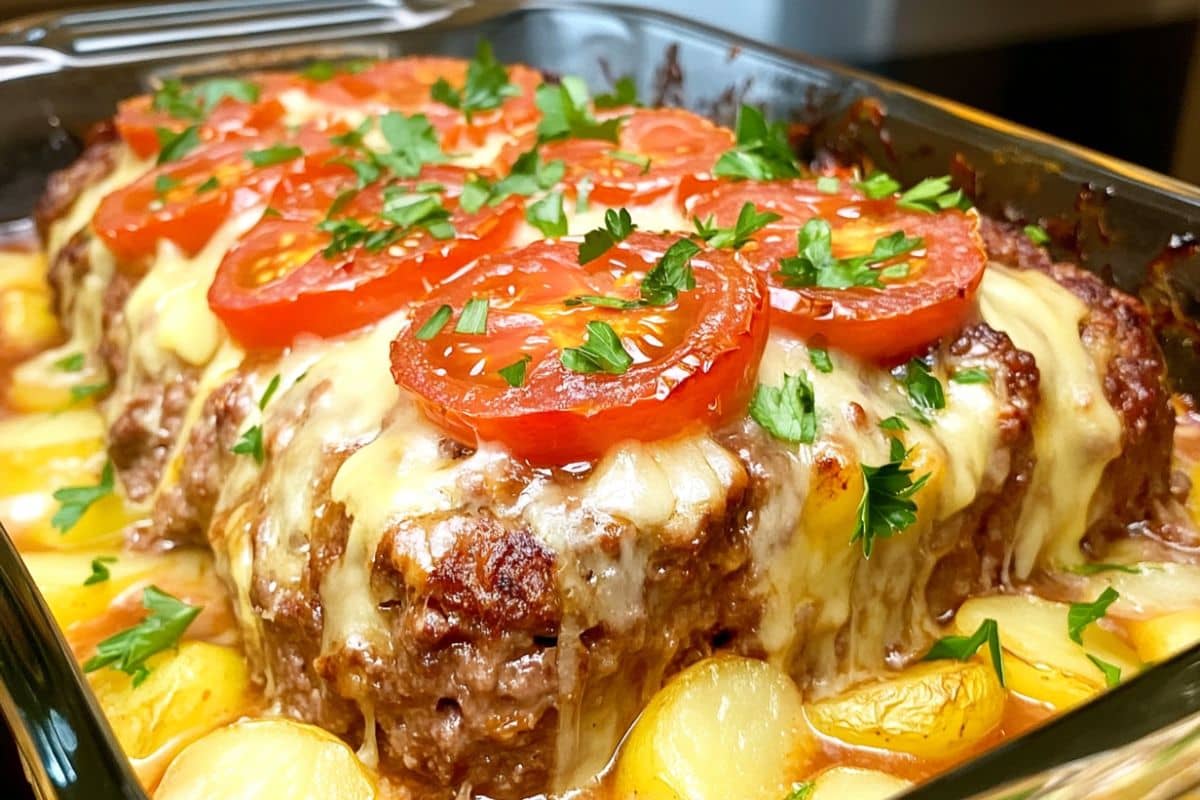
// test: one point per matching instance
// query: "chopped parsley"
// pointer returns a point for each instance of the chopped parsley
(514, 373)
(671, 275)
(194, 103)
(819, 358)
(933, 195)
(815, 265)
(74, 501)
(624, 93)
(877, 185)
(1037, 234)
(404, 209)
(787, 412)
(924, 390)
(547, 215)
(100, 571)
(209, 185)
(487, 84)
(762, 152)
(961, 648)
(275, 154)
(828, 185)
(631, 158)
(602, 351)
(565, 113)
(749, 222)
(617, 227)
(1112, 673)
(473, 319)
(251, 444)
(886, 508)
(72, 363)
(528, 176)
(322, 71)
(86, 390)
(414, 144)
(1080, 615)
(269, 392)
(972, 375)
(801, 790)
(892, 423)
(433, 326)
(1097, 568)
(164, 184)
(161, 630)
(174, 146)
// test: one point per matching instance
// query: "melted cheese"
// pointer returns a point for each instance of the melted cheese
(127, 168)
(1076, 431)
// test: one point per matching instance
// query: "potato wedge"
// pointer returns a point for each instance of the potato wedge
(267, 760)
(1161, 637)
(933, 709)
(701, 732)
(850, 783)
(188, 692)
(27, 322)
(1046, 684)
(1035, 631)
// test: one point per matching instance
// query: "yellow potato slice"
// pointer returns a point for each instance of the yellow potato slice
(267, 760)
(932, 709)
(850, 783)
(26, 320)
(188, 693)
(725, 727)
(41, 383)
(1035, 631)
(1159, 638)
(1046, 684)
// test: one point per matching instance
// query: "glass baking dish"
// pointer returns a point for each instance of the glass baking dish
(60, 73)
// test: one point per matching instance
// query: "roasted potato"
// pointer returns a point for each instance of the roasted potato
(1161, 637)
(267, 760)
(725, 727)
(1035, 631)
(849, 783)
(933, 709)
(26, 320)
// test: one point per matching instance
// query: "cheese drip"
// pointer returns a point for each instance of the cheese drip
(1076, 432)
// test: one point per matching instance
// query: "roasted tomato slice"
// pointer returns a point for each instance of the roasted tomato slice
(693, 361)
(883, 324)
(656, 149)
(406, 85)
(287, 276)
(138, 121)
(183, 201)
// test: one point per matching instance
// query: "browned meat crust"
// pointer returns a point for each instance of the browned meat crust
(96, 162)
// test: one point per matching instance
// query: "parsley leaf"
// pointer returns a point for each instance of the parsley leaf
(925, 392)
(1112, 673)
(815, 264)
(164, 184)
(787, 412)
(99, 570)
(1037, 234)
(528, 176)
(547, 215)
(827, 184)
(762, 152)
(601, 352)
(624, 93)
(972, 375)
(209, 185)
(71, 363)
(433, 326)
(892, 423)
(631, 158)
(414, 143)
(1097, 568)
(74, 501)
(129, 650)
(86, 390)
(322, 71)
(671, 275)
(269, 392)
(487, 85)
(933, 195)
(514, 373)
(819, 358)
(250, 444)
(212, 92)
(565, 113)
(877, 185)
(802, 790)
(275, 154)
(617, 227)
(473, 319)
(1080, 615)
(750, 221)
(406, 210)
(183, 103)
(886, 508)
(174, 146)
(961, 648)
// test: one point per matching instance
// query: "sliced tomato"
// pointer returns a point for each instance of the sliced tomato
(694, 361)
(138, 121)
(132, 220)
(932, 300)
(656, 149)
(279, 281)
